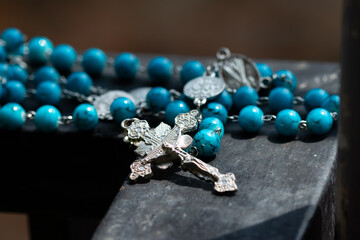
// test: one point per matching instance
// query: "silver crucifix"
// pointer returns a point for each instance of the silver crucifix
(163, 145)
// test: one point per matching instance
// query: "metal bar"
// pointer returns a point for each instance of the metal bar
(348, 172)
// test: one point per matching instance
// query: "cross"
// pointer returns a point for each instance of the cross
(163, 145)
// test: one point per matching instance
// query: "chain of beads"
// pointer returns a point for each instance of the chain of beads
(323, 109)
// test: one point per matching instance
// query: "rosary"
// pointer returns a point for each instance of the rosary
(233, 83)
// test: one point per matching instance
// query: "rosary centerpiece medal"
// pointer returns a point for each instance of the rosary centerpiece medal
(237, 70)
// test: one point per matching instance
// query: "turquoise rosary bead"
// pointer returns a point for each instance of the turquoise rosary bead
(251, 119)
(332, 103)
(264, 70)
(225, 99)
(3, 70)
(280, 98)
(173, 109)
(13, 39)
(63, 58)
(287, 122)
(126, 65)
(40, 49)
(15, 91)
(314, 98)
(12, 116)
(47, 118)
(79, 82)
(217, 110)
(319, 121)
(48, 92)
(158, 98)
(122, 108)
(46, 73)
(3, 54)
(2, 91)
(245, 96)
(213, 124)
(20, 51)
(190, 70)
(93, 61)
(85, 117)
(289, 82)
(16, 72)
(160, 70)
(207, 142)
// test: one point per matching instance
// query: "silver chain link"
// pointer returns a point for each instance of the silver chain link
(98, 90)
(269, 118)
(334, 116)
(30, 92)
(65, 120)
(68, 94)
(262, 101)
(303, 126)
(106, 116)
(233, 118)
(174, 94)
(298, 100)
(30, 115)
(265, 82)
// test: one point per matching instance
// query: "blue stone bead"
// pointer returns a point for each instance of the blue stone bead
(213, 124)
(3, 70)
(85, 117)
(46, 73)
(15, 91)
(190, 70)
(40, 49)
(217, 110)
(63, 57)
(93, 61)
(173, 109)
(47, 118)
(160, 70)
(158, 98)
(207, 142)
(332, 103)
(122, 108)
(20, 51)
(79, 82)
(264, 70)
(3, 54)
(13, 39)
(12, 116)
(2, 92)
(245, 96)
(126, 65)
(319, 121)
(289, 81)
(48, 92)
(251, 119)
(280, 98)
(287, 122)
(225, 99)
(314, 98)
(16, 72)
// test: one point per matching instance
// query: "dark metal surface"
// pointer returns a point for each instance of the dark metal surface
(286, 186)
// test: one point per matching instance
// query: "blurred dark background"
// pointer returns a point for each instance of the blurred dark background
(278, 29)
